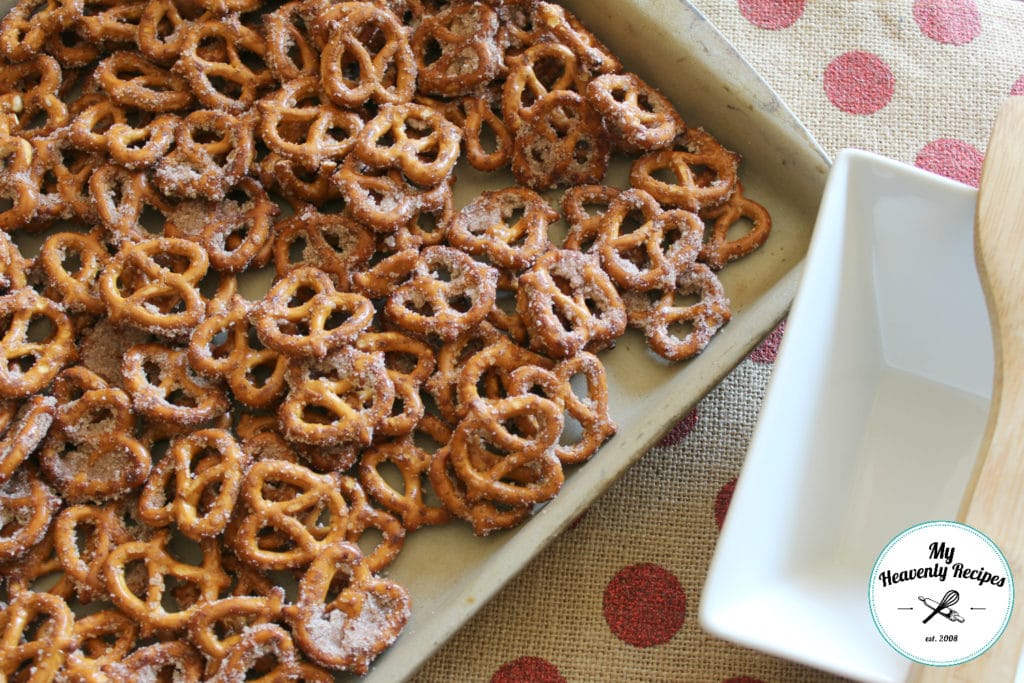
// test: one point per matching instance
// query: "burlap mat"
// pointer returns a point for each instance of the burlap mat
(615, 598)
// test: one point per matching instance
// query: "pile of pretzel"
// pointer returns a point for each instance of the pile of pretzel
(173, 455)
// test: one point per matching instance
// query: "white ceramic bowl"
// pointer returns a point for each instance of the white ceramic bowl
(871, 422)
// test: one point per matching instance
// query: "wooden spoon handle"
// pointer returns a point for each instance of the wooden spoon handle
(994, 500)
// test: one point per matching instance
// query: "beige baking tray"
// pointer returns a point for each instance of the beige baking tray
(449, 572)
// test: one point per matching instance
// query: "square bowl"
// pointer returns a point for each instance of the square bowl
(871, 422)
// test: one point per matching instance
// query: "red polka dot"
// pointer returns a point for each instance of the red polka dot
(722, 501)
(644, 605)
(859, 82)
(772, 14)
(768, 349)
(1018, 87)
(952, 22)
(681, 430)
(527, 670)
(953, 159)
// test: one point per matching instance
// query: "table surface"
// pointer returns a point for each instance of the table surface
(616, 597)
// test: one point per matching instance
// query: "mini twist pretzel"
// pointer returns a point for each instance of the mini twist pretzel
(298, 125)
(465, 35)
(27, 507)
(484, 227)
(174, 660)
(13, 266)
(451, 358)
(332, 242)
(541, 69)
(213, 151)
(162, 29)
(267, 649)
(295, 183)
(340, 399)
(409, 363)
(485, 452)
(421, 142)
(385, 66)
(73, 169)
(240, 47)
(219, 626)
(486, 375)
(303, 314)
(700, 320)
(91, 454)
(239, 358)
(119, 196)
(704, 170)
(88, 129)
(23, 426)
(561, 141)
(27, 363)
(568, 302)
(638, 117)
(77, 290)
(36, 633)
(17, 185)
(584, 207)
(590, 411)
(36, 568)
(143, 145)
(204, 470)
(287, 36)
(310, 519)
(389, 536)
(109, 23)
(84, 535)
(72, 50)
(97, 641)
(148, 602)
(131, 80)
(348, 631)
(32, 90)
(28, 24)
(718, 249)
(651, 255)
(51, 206)
(164, 387)
(383, 198)
(567, 29)
(152, 285)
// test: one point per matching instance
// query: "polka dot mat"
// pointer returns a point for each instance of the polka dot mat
(615, 598)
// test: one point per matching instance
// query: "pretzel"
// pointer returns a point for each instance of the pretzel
(50, 206)
(28, 24)
(479, 118)
(464, 35)
(451, 358)
(303, 314)
(568, 303)
(409, 363)
(86, 463)
(204, 470)
(97, 641)
(484, 227)
(73, 169)
(254, 375)
(287, 36)
(36, 633)
(71, 50)
(13, 266)
(77, 290)
(585, 223)
(382, 198)
(33, 86)
(27, 506)
(296, 184)
(89, 127)
(422, 143)
(119, 197)
(110, 23)
(141, 146)
(213, 151)
(386, 67)
(16, 183)
(388, 535)
(561, 141)
(594, 57)
(167, 660)
(334, 243)
(145, 600)
(364, 616)
(132, 81)
(309, 519)
(701, 320)
(161, 31)
(486, 375)
(637, 116)
(541, 69)
(651, 255)
(84, 535)
(718, 249)
(298, 124)
(712, 184)
(338, 400)
(23, 426)
(238, 47)
(267, 649)
(102, 348)
(221, 625)
(152, 285)
(163, 387)
(28, 363)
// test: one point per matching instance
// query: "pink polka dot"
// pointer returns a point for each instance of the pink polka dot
(527, 670)
(1018, 87)
(952, 22)
(768, 349)
(859, 82)
(681, 430)
(953, 159)
(722, 501)
(772, 14)
(644, 605)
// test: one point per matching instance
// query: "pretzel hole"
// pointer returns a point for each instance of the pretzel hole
(337, 319)
(664, 174)
(572, 431)
(681, 329)
(685, 299)
(180, 397)
(740, 228)
(228, 88)
(251, 59)
(151, 220)
(316, 415)
(259, 375)
(301, 296)
(432, 51)
(40, 329)
(371, 539)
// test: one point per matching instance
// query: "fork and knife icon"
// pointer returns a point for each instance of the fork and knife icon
(944, 607)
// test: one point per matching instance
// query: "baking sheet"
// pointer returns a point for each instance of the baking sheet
(448, 571)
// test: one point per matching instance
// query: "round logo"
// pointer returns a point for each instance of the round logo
(941, 593)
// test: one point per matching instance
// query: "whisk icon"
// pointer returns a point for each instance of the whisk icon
(943, 607)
